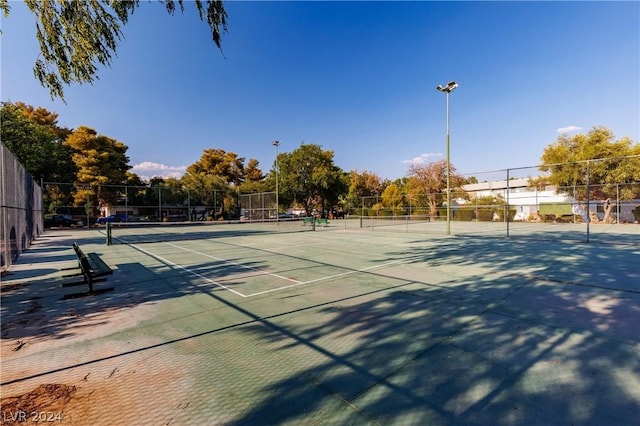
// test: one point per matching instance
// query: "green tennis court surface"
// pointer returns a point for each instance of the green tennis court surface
(278, 325)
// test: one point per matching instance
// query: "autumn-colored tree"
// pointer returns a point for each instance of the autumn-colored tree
(612, 166)
(364, 184)
(44, 117)
(252, 172)
(217, 162)
(428, 183)
(101, 162)
(392, 198)
(77, 37)
(538, 183)
(253, 178)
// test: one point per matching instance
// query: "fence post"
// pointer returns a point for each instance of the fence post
(588, 199)
(506, 211)
(617, 203)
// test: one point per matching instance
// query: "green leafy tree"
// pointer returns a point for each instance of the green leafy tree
(206, 189)
(174, 193)
(36, 139)
(77, 37)
(487, 206)
(216, 177)
(613, 166)
(136, 190)
(152, 196)
(102, 163)
(309, 177)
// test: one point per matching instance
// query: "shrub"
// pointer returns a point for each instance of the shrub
(485, 214)
(420, 214)
(464, 214)
(512, 214)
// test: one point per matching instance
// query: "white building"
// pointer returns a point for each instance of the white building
(527, 201)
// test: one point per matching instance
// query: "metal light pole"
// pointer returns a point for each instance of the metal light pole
(277, 144)
(450, 87)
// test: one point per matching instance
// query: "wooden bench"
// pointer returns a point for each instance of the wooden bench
(92, 268)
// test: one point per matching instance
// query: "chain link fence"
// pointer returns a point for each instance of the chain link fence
(602, 202)
(21, 215)
(258, 207)
(522, 202)
(157, 203)
(129, 203)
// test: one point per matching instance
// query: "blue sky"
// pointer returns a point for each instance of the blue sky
(358, 78)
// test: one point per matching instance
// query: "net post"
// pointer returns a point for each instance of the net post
(108, 227)
(313, 224)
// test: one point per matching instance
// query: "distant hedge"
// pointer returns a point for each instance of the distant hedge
(464, 214)
(485, 214)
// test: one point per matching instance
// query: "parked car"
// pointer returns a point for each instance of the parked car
(51, 220)
(281, 216)
(111, 218)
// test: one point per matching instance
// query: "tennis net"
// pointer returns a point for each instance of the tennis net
(154, 232)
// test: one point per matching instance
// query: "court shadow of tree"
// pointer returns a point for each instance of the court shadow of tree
(479, 348)
(35, 309)
(512, 348)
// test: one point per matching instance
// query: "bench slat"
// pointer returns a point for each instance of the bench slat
(98, 266)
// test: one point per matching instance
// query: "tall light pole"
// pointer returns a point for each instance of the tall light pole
(450, 87)
(277, 144)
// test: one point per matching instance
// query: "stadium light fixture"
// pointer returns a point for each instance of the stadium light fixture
(277, 144)
(450, 87)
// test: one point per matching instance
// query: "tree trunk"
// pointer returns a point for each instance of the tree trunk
(608, 207)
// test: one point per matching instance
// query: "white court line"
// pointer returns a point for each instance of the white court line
(235, 263)
(162, 259)
(296, 283)
(328, 277)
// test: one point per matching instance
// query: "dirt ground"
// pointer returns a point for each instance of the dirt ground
(46, 403)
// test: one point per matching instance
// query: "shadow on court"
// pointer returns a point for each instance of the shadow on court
(510, 350)
(463, 331)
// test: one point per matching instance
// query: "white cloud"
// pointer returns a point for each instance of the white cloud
(422, 158)
(147, 170)
(568, 129)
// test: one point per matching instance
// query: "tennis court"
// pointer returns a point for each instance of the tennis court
(243, 324)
